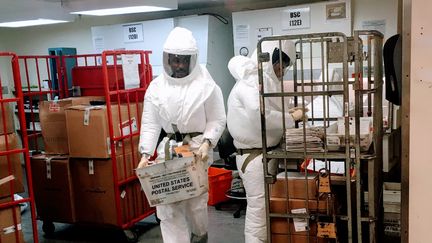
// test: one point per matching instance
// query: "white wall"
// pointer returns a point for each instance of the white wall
(376, 10)
(220, 50)
(420, 160)
(274, 18)
(155, 33)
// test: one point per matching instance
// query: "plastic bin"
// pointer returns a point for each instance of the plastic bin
(90, 79)
(219, 183)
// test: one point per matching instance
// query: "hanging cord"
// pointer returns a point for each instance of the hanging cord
(219, 17)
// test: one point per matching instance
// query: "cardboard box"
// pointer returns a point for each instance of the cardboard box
(8, 226)
(125, 166)
(88, 129)
(94, 192)
(129, 145)
(143, 207)
(15, 163)
(284, 238)
(281, 226)
(53, 122)
(391, 197)
(8, 112)
(295, 186)
(279, 205)
(53, 188)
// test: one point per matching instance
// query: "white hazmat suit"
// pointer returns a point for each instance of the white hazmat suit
(193, 103)
(244, 124)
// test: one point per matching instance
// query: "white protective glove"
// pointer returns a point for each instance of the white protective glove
(203, 150)
(298, 113)
(144, 161)
(296, 108)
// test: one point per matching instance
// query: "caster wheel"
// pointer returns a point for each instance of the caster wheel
(218, 207)
(131, 236)
(157, 219)
(237, 214)
(48, 228)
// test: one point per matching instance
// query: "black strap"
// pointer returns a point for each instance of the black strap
(248, 151)
(183, 137)
(249, 158)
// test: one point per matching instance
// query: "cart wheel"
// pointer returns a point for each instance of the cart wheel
(48, 227)
(131, 236)
(218, 206)
(236, 214)
(156, 217)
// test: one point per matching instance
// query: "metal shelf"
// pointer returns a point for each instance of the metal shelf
(279, 154)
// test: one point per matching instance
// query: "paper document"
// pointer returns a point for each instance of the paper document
(300, 224)
(130, 72)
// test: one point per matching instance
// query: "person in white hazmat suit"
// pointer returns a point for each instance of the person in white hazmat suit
(183, 99)
(244, 124)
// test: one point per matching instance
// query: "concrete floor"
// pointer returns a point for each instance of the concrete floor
(223, 227)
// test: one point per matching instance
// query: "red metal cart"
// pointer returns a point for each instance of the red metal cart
(116, 95)
(37, 73)
(11, 152)
(97, 75)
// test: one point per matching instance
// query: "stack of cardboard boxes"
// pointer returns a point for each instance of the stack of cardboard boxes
(11, 174)
(295, 194)
(76, 176)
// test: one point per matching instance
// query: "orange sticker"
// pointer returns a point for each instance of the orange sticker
(326, 230)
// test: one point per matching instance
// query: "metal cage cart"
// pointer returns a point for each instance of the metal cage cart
(38, 87)
(332, 158)
(127, 75)
(36, 73)
(121, 78)
(101, 187)
(11, 154)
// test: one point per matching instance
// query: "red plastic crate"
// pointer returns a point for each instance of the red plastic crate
(90, 79)
(219, 183)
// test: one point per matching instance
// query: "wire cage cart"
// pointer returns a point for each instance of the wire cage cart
(327, 186)
(11, 154)
(99, 186)
(122, 98)
(36, 83)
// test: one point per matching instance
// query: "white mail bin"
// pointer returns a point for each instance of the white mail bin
(173, 180)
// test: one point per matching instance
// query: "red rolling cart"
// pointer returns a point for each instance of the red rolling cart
(110, 195)
(11, 154)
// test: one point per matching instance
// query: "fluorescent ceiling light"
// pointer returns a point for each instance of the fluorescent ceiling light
(32, 22)
(125, 10)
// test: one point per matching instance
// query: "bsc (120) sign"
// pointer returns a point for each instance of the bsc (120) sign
(133, 33)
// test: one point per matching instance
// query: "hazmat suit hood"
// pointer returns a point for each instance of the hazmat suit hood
(243, 69)
(271, 81)
(180, 41)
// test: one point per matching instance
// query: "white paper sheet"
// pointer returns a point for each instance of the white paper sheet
(130, 72)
